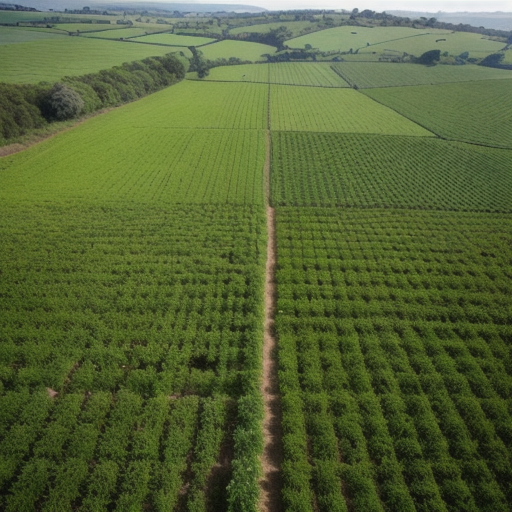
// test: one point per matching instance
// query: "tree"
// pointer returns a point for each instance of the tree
(429, 58)
(63, 102)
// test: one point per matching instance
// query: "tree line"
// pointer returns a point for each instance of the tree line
(24, 108)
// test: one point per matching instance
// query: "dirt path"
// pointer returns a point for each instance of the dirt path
(271, 482)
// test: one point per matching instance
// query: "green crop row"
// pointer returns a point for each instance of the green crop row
(368, 75)
(384, 408)
(384, 171)
(475, 112)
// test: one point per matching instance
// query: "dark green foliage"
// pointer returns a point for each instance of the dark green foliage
(19, 109)
(405, 306)
(62, 103)
(24, 108)
(429, 58)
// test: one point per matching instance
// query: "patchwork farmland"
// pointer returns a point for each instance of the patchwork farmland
(358, 215)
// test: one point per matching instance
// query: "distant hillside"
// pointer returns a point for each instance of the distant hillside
(60, 5)
(495, 20)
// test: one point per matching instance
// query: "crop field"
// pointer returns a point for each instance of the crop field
(310, 74)
(124, 33)
(145, 321)
(194, 104)
(11, 35)
(295, 27)
(370, 75)
(394, 330)
(454, 43)
(108, 164)
(334, 110)
(242, 49)
(174, 40)
(478, 112)
(327, 169)
(51, 59)
(346, 37)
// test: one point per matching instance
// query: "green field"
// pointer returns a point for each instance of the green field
(136, 304)
(387, 74)
(346, 37)
(478, 112)
(49, 60)
(174, 40)
(394, 331)
(11, 35)
(124, 33)
(313, 74)
(382, 171)
(295, 27)
(240, 49)
(455, 43)
(86, 27)
(334, 110)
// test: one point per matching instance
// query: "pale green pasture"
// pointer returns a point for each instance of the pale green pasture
(102, 161)
(317, 74)
(174, 40)
(346, 37)
(194, 104)
(379, 74)
(14, 35)
(51, 59)
(313, 109)
(455, 44)
(241, 49)
(85, 27)
(294, 27)
(118, 33)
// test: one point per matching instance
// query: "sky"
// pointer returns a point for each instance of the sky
(385, 5)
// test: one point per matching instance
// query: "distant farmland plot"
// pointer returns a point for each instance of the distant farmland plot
(86, 27)
(346, 37)
(394, 349)
(12, 35)
(373, 171)
(369, 75)
(175, 40)
(194, 104)
(118, 33)
(241, 49)
(317, 74)
(293, 26)
(334, 110)
(49, 60)
(479, 111)
(454, 43)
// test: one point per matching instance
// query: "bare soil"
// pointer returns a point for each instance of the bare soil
(271, 482)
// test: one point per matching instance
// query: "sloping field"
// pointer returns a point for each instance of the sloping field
(372, 170)
(454, 43)
(346, 37)
(293, 26)
(174, 40)
(11, 35)
(118, 33)
(312, 74)
(478, 112)
(394, 330)
(334, 110)
(50, 60)
(194, 104)
(369, 75)
(240, 49)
